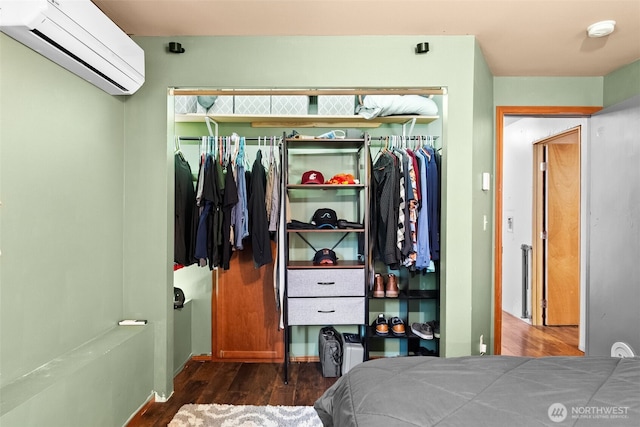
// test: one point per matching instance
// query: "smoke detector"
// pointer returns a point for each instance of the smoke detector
(601, 29)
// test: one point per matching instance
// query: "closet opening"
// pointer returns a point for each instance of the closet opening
(236, 300)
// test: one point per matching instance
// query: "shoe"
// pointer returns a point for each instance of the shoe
(381, 326)
(423, 330)
(378, 286)
(435, 326)
(392, 290)
(397, 327)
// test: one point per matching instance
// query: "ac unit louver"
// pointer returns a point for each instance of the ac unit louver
(78, 36)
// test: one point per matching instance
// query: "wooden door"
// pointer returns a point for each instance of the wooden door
(557, 228)
(244, 316)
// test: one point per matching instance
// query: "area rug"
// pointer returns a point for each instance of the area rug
(216, 415)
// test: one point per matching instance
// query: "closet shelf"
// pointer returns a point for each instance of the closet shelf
(311, 120)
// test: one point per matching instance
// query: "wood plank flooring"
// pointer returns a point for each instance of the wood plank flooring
(521, 339)
(237, 383)
(261, 383)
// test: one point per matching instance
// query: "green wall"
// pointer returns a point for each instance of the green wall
(61, 269)
(622, 84)
(483, 154)
(548, 91)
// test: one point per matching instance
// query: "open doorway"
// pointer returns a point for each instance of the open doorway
(510, 221)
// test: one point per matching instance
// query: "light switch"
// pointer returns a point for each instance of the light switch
(486, 181)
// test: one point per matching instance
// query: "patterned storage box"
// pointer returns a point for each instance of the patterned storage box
(185, 104)
(290, 105)
(336, 105)
(252, 104)
(222, 105)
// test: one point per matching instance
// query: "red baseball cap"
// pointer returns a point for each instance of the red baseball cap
(312, 177)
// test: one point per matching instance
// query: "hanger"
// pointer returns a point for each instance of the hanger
(208, 121)
(235, 139)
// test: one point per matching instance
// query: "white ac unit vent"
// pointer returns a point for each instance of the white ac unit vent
(78, 36)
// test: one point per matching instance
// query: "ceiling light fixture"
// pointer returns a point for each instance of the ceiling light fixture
(601, 29)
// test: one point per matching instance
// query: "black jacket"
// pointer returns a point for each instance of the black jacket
(258, 223)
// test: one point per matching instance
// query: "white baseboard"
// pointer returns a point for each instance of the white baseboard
(162, 398)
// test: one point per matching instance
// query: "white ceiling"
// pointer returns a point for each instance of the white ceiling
(517, 37)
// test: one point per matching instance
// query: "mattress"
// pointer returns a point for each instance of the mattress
(485, 391)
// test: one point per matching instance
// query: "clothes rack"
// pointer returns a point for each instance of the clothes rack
(407, 138)
(247, 138)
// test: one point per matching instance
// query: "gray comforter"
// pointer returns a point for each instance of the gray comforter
(485, 391)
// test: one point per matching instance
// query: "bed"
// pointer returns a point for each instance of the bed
(485, 391)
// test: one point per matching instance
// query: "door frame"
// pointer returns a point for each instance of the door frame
(501, 112)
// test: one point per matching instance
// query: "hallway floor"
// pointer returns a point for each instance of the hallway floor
(521, 339)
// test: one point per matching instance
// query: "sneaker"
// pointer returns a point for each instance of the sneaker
(423, 330)
(378, 286)
(381, 326)
(397, 327)
(435, 325)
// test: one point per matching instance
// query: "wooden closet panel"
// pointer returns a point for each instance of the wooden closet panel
(244, 316)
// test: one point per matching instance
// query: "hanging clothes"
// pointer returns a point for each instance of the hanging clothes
(424, 253)
(210, 224)
(413, 203)
(240, 213)
(433, 184)
(273, 197)
(229, 200)
(387, 183)
(406, 205)
(185, 208)
(258, 224)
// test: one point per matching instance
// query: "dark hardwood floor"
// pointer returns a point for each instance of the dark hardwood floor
(261, 383)
(238, 384)
(521, 339)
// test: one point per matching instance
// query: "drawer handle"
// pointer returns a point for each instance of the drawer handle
(326, 283)
(326, 311)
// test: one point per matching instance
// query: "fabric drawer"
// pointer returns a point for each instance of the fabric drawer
(326, 311)
(336, 105)
(260, 105)
(297, 105)
(325, 283)
(185, 104)
(222, 105)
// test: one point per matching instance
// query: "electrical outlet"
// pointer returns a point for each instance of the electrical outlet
(482, 347)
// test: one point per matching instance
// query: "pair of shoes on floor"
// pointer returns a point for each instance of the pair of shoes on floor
(395, 324)
(389, 290)
(426, 330)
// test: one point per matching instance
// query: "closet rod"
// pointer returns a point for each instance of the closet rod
(246, 138)
(410, 138)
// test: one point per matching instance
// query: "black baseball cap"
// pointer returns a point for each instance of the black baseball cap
(325, 218)
(325, 257)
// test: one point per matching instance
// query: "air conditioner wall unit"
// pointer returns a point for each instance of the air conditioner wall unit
(78, 36)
